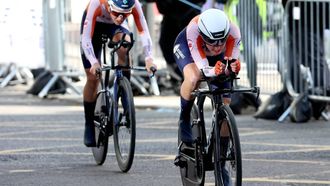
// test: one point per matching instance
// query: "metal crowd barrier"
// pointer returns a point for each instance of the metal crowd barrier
(285, 47)
(54, 15)
(261, 29)
(307, 51)
(11, 74)
(261, 54)
(275, 45)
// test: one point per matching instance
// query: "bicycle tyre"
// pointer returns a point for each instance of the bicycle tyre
(233, 159)
(124, 122)
(194, 172)
(101, 133)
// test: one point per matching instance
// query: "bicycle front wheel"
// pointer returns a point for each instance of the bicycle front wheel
(124, 128)
(227, 154)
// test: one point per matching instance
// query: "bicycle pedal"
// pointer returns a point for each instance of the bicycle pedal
(179, 162)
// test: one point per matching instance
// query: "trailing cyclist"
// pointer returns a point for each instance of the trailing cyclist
(208, 41)
(107, 17)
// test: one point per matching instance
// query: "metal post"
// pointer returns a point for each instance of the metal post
(54, 42)
(150, 19)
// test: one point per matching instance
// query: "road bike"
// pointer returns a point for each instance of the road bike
(208, 152)
(115, 112)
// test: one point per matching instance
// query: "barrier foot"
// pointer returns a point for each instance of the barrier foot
(138, 85)
(285, 114)
(43, 93)
(325, 116)
(288, 110)
(8, 78)
(71, 86)
(48, 86)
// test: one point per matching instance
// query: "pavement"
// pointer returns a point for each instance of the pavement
(152, 102)
(43, 137)
(17, 95)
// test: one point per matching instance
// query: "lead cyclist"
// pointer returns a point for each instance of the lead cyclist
(208, 41)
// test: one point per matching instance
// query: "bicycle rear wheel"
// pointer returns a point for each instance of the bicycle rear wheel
(227, 161)
(101, 120)
(124, 127)
(193, 173)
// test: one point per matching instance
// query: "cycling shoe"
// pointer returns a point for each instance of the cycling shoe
(89, 135)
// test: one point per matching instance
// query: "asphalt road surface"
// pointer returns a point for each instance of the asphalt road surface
(41, 144)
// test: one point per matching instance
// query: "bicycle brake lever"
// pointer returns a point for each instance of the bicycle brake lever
(153, 70)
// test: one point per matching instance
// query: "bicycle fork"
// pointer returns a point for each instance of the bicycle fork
(119, 118)
(220, 156)
(118, 75)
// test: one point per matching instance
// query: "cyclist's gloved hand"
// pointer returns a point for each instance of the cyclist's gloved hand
(219, 68)
(149, 61)
(94, 67)
(236, 66)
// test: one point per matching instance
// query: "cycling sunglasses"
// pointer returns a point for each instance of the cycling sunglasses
(117, 14)
(216, 43)
(212, 42)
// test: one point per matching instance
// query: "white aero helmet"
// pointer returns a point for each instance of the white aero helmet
(213, 25)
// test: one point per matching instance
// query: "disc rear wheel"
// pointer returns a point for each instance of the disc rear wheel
(193, 171)
(102, 127)
(101, 149)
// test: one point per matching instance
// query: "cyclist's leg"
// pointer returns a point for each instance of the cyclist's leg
(224, 131)
(226, 98)
(223, 150)
(191, 76)
(89, 96)
(90, 88)
(117, 33)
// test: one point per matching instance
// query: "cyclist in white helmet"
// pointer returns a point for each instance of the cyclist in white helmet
(209, 40)
(107, 17)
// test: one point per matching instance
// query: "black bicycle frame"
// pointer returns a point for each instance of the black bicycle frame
(118, 69)
(217, 101)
